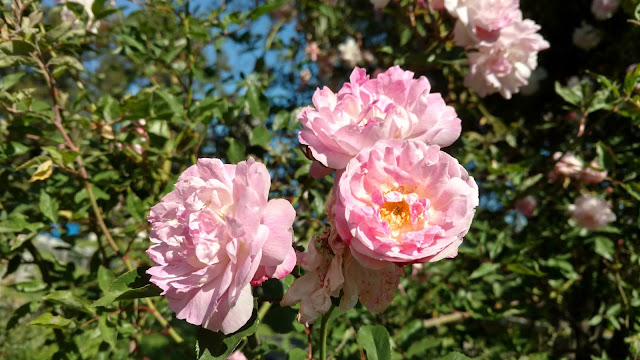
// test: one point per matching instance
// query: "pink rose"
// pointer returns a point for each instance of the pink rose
(403, 202)
(505, 65)
(567, 165)
(214, 236)
(527, 205)
(482, 20)
(237, 355)
(604, 9)
(591, 213)
(593, 174)
(394, 105)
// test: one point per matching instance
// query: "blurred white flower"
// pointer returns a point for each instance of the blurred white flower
(591, 213)
(350, 52)
(586, 37)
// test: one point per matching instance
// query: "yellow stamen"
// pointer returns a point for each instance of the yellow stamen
(397, 215)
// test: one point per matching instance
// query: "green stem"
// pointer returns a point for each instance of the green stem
(324, 331)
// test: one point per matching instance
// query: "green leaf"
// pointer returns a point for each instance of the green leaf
(297, 354)
(530, 181)
(405, 35)
(281, 120)
(260, 136)
(636, 13)
(266, 8)
(455, 356)
(49, 320)
(135, 206)
(16, 47)
(218, 346)
(604, 157)
(633, 189)
(484, 269)
(604, 247)
(49, 207)
(375, 340)
(69, 300)
(572, 95)
(631, 80)
(9, 80)
(236, 151)
(131, 285)
(258, 107)
(107, 331)
(105, 278)
(67, 61)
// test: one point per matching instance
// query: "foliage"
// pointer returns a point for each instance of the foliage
(95, 127)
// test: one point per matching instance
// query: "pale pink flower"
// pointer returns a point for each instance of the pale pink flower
(379, 4)
(312, 51)
(604, 9)
(394, 105)
(350, 52)
(403, 202)
(214, 236)
(586, 37)
(237, 355)
(591, 213)
(482, 20)
(505, 65)
(593, 174)
(567, 165)
(527, 205)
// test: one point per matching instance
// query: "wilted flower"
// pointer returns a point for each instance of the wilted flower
(527, 205)
(394, 105)
(403, 202)
(567, 165)
(214, 236)
(506, 64)
(593, 174)
(591, 213)
(586, 36)
(350, 52)
(604, 9)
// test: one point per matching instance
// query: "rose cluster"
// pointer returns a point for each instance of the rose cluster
(397, 197)
(502, 46)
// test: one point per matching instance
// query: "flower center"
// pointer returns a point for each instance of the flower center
(397, 215)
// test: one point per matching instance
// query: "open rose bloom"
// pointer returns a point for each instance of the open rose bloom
(404, 202)
(214, 236)
(393, 105)
(591, 213)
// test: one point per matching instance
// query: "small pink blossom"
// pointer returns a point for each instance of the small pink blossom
(604, 9)
(527, 205)
(593, 174)
(394, 105)
(505, 65)
(482, 20)
(312, 51)
(591, 213)
(567, 165)
(237, 355)
(214, 236)
(403, 202)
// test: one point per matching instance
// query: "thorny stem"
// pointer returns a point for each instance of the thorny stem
(58, 120)
(324, 331)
